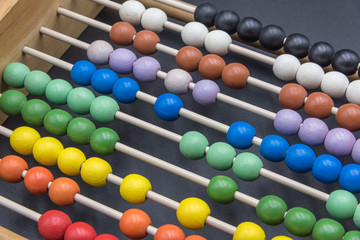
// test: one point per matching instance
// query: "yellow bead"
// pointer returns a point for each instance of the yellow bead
(249, 231)
(94, 171)
(46, 150)
(70, 160)
(22, 140)
(192, 213)
(281, 238)
(134, 188)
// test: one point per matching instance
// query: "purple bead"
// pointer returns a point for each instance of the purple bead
(313, 131)
(205, 92)
(122, 60)
(339, 142)
(355, 154)
(287, 122)
(145, 69)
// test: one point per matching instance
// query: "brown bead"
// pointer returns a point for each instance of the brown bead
(62, 191)
(318, 105)
(235, 75)
(122, 33)
(292, 96)
(348, 116)
(211, 66)
(145, 42)
(188, 58)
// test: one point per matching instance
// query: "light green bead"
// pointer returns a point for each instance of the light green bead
(341, 204)
(328, 229)
(80, 129)
(36, 81)
(56, 121)
(356, 217)
(193, 144)
(103, 109)
(247, 166)
(14, 74)
(57, 91)
(79, 100)
(220, 156)
(352, 235)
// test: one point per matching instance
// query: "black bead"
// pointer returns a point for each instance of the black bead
(227, 21)
(272, 37)
(345, 61)
(205, 13)
(297, 45)
(249, 29)
(321, 53)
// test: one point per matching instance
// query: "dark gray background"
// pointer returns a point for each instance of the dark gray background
(333, 21)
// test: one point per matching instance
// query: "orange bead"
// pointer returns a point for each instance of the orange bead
(37, 180)
(62, 191)
(11, 168)
(211, 66)
(145, 42)
(235, 75)
(348, 116)
(318, 105)
(134, 222)
(169, 232)
(122, 33)
(292, 96)
(188, 58)
(195, 237)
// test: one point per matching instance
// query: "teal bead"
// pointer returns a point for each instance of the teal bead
(193, 144)
(299, 221)
(341, 204)
(220, 156)
(247, 166)
(57, 91)
(56, 121)
(103, 109)
(271, 210)
(14, 74)
(80, 129)
(36, 81)
(356, 218)
(79, 100)
(352, 235)
(328, 229)
(103, 141)
(34, 111)
(221, 189)
(11, 102)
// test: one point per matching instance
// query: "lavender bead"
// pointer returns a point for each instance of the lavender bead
(313, 131)
(122, 60)
(205, 92)
(145, 69)
(355, 154)
(339, 142)
(287, 122)
(99, 51)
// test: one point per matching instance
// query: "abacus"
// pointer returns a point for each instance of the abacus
(174, 187)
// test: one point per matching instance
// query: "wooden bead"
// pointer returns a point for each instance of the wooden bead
(292, 96)
(348, 116)
(310, 75)
(194, 33)
(188, 58)
(352, 92)
(177, 81)
(169, 232)
(131, 11)
(122, 33)
(334, 84)
(318, 105)
(217, 42)
(133, 223)
(211, 66)
(37, 179)
(285, 67)
(11, 168)
(145, 42)
(153, 19)
(99, 52)
(53, 224)
(62, 191)
(235, 75)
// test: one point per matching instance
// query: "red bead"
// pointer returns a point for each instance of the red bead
(134, 222)
(169, 232)
(11, 168)
(53, 224)
(37, 179)
(63, 190)
(195, 237)
(80, 231)
(106, 236)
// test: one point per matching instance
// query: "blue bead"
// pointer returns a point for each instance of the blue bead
(167, 106)
(326, 168)
(125, 90)
(82, 71)
(300, 158)
(274, 148)
(350, 178)
(240, 135)
(103, 80)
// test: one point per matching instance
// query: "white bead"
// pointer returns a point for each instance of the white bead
(217, 42)
(99, 52)
(194, 33)
(334, 84)
(310, 75)
(153, 19)
(353, 92)
(177, 81)
(285, 67)
(131, 11)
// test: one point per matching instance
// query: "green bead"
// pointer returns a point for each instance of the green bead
(220, 156)
(14, 74)
(34, 111)
(103, 141)
(103, 109)
(56, 121)
(247, 166)
(341, 204)
(80, 99)
(352, 235)
(299, 221)
(356, 218)
(57, 91)
(221, 189)
(36, 81)
(80, 130)
(11, 102)
(328, 229)
(193, 144)
(271, 210)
